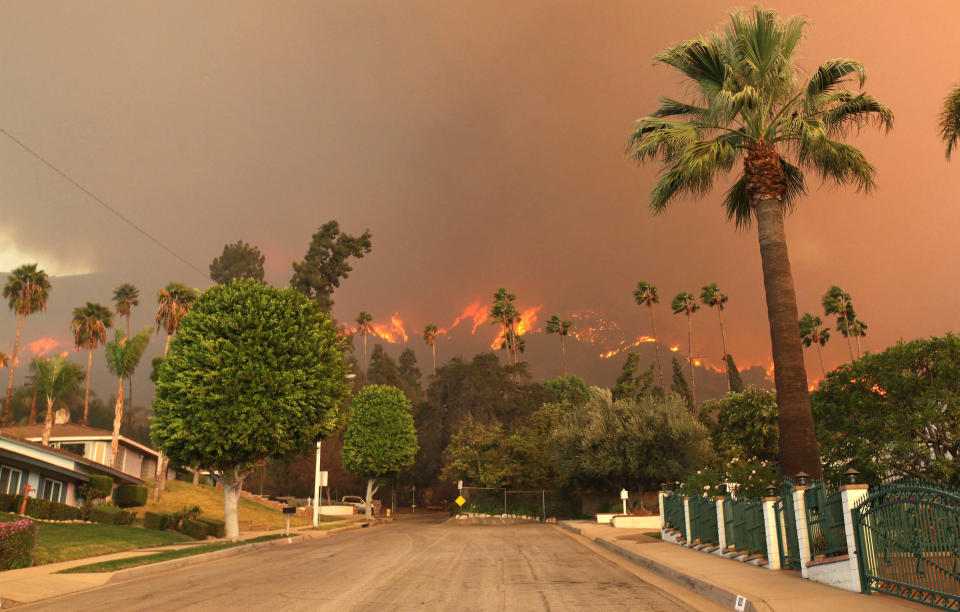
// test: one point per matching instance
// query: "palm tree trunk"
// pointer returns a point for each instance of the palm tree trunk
(117, 417)
(563, 355)
(798, 442)
(823, 370)
(693, 378)
(86, 393)
(48, 422)
(13, 367)
(859, 354)
(128, 324)
(33, 407)
(723, 346)
(433, 346)
(364, 356)
(656, 344)
(166, 346)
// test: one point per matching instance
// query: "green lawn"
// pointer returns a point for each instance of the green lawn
(63, 542)
(167, 555)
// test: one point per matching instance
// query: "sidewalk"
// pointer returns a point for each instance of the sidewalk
(721, 580)
(32, 584)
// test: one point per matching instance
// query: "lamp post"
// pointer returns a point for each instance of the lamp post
(316, 478)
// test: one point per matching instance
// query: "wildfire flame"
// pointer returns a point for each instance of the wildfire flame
(623, 347)
(675, 348)
(528, 318)
(769, 370)
(592, 328)
(392, 332)
(476, 311)
(43, 346)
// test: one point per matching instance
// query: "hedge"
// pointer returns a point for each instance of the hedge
(10, 503)
(129, 495)
(193, 528)
(43, 509)
(99, 487)
(215, 527)
(17, 540)
(161, 521)
(111, 516)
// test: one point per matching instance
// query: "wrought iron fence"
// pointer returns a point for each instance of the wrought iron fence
(703, 520)
(745, 529)
(786, 520)
(825, 521)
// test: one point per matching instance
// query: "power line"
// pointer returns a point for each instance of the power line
(93, 197)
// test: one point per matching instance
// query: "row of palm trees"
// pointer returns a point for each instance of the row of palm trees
(813, 332)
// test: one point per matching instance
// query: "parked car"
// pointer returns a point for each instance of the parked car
(356, 501)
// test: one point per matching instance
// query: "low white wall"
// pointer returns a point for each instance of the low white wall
(604, 518)
(836, 574)
(338, 510)
(636, 522)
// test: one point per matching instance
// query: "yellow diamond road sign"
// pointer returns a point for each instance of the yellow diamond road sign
(460, 501)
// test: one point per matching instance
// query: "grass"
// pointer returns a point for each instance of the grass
(67, 541)
(166, 555)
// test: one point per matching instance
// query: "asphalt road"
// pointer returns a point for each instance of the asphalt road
(414, 564)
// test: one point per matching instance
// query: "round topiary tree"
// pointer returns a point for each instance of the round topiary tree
(254, 372)
(380, 439)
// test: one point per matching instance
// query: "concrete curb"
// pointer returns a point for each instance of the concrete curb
(711, 591)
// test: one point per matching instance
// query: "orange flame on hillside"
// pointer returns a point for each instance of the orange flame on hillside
(392, 332)
(675, 348)
(593, 328)
(528, 318)
(476, 311)
(43, 346)
(769, 370)
(623, 347)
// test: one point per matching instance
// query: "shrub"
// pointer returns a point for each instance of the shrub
(215, 527)
(10, 503)
(129, 495)
(111, 516)
(17, 540)
(193, 528)
(160, 521)
(99, 487)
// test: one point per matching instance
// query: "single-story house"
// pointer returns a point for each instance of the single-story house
(136, 459)
(53, 474)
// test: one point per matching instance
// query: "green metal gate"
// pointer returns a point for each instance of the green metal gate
(786, 520)
(908, 543)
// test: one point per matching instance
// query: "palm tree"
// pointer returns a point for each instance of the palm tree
(836, 301)
(814, 332)
(562, 328)
(750, 104)
(27, 291)
(123, 356)
(90, 324)
(364, 321)
(174, 302)
(125, 297)
(711, 296)
(505, 314)
(55, 378)
(646, 295)
(950, 120)
(430, 337)
(684, 303)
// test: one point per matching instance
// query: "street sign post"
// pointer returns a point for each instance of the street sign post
(624, 496)
(460, 501)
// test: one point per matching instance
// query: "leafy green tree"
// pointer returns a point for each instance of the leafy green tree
(90, 324)
(684, 303)
(238, 261)
(476, 455)
(55, 378)
(733, 375)
(646, 295)
(632, 384)
(814, 333)
(173, 304)
(570, 389)
(750, 105)
(123, 357)
(560, 327)
(893, 414)
(505, 314)
(254, 372)
(711, 297)
(381, 439)
(327, 262)
(950, 120)
(746, 427)
(383, 369)
(681, 388)
(364, 327)
(27, 291)
(430, 337)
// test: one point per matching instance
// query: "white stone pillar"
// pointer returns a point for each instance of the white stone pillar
(850, 497)
(770, 531)
(686, 518)
(803, 535)
(721, 527)
(663, 519)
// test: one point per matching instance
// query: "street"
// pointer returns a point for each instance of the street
(417, 563)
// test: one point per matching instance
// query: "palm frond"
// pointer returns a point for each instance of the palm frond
(836, 160)
(829, 75)
(675, 108)
(660, 138)
(700, 59)
(950, 120)
(693, 168)
(853, 109)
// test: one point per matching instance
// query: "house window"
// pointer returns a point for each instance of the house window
(10, 480)
(51, 490)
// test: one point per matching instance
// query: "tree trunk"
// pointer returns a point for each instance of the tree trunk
(364, 356)
(847, 335)
(723, 346)
(196, 477)
(656, 345)
(13, 366)
(117, 417)
(563, 356)
(433, 346)
(33, 407)
(368, 504)
(86, 393)
(693, 377)
(166, 346)
(161, 478)
(232, 485)
(798, 442)
(128, 324)
(859, 353)
(48, 422)
(820, 355)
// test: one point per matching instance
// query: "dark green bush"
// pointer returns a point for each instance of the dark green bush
(161, 521)
(215, 527)
(111, 516)
(99, 487)
(130, 495)
(17, 540)
(195, 529)
(10, 503)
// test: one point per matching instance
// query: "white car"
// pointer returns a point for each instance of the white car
(355, 500)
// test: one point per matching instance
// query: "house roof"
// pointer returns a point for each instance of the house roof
(86, 465)
(72, 432)
(13, 456)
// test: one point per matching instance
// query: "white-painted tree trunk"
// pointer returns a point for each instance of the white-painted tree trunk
(368, 504)
(232, 484)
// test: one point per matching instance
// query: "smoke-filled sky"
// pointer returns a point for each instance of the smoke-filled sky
(481, 143)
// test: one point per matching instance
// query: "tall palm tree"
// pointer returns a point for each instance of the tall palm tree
(125, 297)
(684, 303)
(123, 356)
(560, 327)
(505, 314)
(55, 378)
(836, 301)
(814, 332)
(27, 291)
(90, 324)
(950, 120)
(710, 295)
(173, 303)
(364, 326)
(646, 295)
(430, 337)
(750, 104)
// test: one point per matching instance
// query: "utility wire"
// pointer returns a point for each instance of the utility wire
(93, 197)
